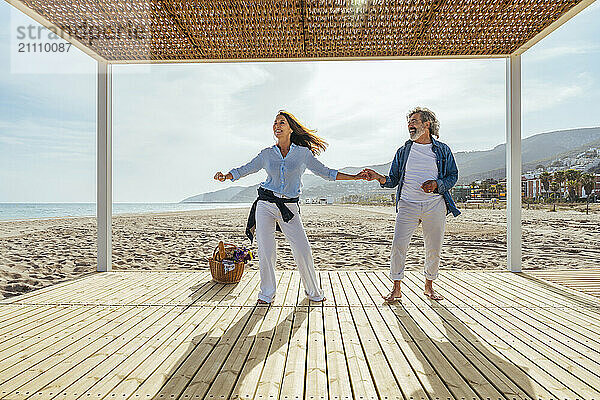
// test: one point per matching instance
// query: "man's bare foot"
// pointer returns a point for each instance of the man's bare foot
(393, 296)
(433, 295)
(262, 302)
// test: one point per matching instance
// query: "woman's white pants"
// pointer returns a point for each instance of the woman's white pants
(267, 214)
(433, 216)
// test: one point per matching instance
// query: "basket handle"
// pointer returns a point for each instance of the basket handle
(217, 250)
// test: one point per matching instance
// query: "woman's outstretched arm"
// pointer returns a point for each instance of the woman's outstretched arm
(255, 165)
(321, 170)
(347, 177)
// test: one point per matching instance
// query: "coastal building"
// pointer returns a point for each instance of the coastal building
(461, 193)
(488, 190)
(532, 187)
(596, 190)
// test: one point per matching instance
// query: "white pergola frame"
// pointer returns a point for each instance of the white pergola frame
(513, 131)
(513, 164)
(104, 167)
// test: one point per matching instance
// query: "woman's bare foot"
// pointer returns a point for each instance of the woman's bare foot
(430, 293)
(320, 301)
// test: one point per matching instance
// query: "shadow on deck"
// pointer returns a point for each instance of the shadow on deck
(178, 335)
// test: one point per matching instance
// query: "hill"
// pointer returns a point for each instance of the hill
(543, 148)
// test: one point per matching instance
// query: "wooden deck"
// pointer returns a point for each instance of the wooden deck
(178, 335)
(583, 280)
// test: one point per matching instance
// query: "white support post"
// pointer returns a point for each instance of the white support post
(513, 162)
(104, 167)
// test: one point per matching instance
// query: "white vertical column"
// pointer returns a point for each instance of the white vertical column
(104, 167)
(513, 162)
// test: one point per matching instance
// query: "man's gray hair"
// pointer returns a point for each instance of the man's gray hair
(427, 116)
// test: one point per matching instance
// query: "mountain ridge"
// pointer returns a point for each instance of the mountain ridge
(541, 148)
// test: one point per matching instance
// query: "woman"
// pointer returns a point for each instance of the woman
(277, 203)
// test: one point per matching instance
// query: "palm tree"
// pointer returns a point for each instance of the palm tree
(559, 178)
(572, 177)
(545, 178)
(587, 181)
(572, 189)
(555, 187)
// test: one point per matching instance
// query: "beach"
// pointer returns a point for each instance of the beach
(39, 253)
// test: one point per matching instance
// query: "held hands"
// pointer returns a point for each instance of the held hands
(429, 186)
(361, 175)
(222, 178)
(371, 175)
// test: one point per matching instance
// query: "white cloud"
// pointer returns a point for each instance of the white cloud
(465, 94)
(177, 126)
(545, 54)
(539, 95)
(37, 137)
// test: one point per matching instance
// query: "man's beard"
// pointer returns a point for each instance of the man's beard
(414, 136)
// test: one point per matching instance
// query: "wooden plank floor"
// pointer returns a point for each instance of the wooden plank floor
(583, 280)
(178, 335)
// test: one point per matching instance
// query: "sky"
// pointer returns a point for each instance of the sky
(175, 125)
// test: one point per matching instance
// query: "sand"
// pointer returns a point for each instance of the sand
(38, 253)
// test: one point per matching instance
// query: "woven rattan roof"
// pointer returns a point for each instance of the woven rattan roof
(178, 30)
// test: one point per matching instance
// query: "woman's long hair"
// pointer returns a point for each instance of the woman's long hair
(302, 136)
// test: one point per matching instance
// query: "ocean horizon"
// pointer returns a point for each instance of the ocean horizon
(26, 211)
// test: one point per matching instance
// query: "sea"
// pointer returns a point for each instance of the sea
(24, 211)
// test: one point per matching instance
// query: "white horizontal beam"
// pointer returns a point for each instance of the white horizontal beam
(305, 59)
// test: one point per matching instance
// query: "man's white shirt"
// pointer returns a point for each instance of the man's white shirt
(421, 166)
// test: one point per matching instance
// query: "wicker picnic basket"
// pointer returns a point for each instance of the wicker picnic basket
(217, 269)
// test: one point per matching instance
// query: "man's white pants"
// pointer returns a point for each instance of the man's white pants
(433, 216)
(266, 215)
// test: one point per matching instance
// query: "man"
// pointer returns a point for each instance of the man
(424, 171)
